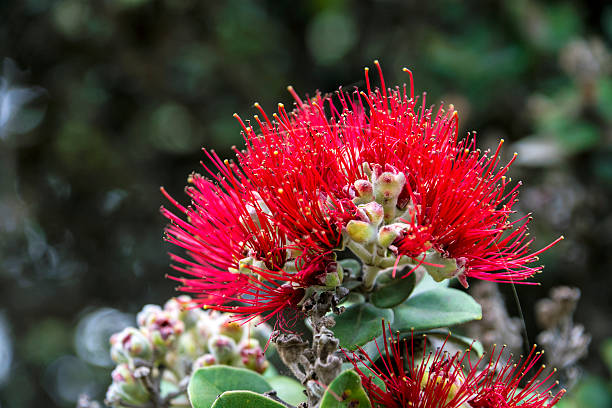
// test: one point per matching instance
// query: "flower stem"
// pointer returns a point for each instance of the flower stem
(370, 272)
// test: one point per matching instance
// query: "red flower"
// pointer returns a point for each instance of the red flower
(372, 171)
(438, 380)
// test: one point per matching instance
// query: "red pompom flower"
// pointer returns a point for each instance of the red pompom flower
(405, 378)
(373, 171)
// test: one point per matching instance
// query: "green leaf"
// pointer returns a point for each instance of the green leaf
(352, 298)
(208, 382)
(240, 399)
(436, 308)
(460, 342)
(351, 265)
(347, 387)
(392, 291)
(427, 283)
(288, 389)
(359, 324)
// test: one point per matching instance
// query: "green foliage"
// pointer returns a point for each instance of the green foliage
(428, 283)
(459, 342)
(287, 389)
(240, 399)
(208, 382)
(391, 291)
(359, 324)
(592, 392)
(435, 308)
(351, 265)
(344, 392)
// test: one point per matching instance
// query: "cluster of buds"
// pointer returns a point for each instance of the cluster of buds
(172, 342)
(385, 215)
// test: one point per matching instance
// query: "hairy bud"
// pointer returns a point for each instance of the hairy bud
(252, 356)
(129, 344)
(223, 348)
(230, 328)
(126, 387)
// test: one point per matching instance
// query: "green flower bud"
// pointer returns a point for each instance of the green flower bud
(147, 311)
(204, 361)
(389, 233)
(223, 348)
(128, 344)
(374, 211)
(163, 330)
(126, 388)
(188, 345)
(360, 231)
(365, 192)
(334, 274)
(184, 309)
(230, 328)
(205, 328)
(252, 356)
(388, 185)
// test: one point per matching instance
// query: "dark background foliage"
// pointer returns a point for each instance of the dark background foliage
(127, 91)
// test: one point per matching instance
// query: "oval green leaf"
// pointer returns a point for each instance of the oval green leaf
(208, 382)
(428, 283)
(346, 391)
(242, 399)
(436, 308)
(287, 389)
(391, 291)
(359, 324)
(460, 343)
(351, 265)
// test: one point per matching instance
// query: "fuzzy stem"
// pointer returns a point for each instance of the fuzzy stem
(363, 254)
(370, 272)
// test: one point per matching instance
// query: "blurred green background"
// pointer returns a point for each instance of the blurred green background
(102, 102)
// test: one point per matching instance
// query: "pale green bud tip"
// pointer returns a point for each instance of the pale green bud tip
(332, 280)
(365, 190)
(163, 328)
(388, 234)
(252, 356)
(125, 387)
(130, 343)
(146, 312)
(205, 360)
(223, 348)
(360, 231)
(374, 211)
(231, 329)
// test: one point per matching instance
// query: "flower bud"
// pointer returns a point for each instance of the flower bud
(204, 361)
(374, 211)
(163, 329)
(388, 186)
(128, 344)
(452, 268)
(231, 329)
(389, 233)
(223, 348)
(184, 309)
(126, 388)
(334, 274)
(146, 312)
(365, 192)
(252, 356)
(360, 231)
(188, 345)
